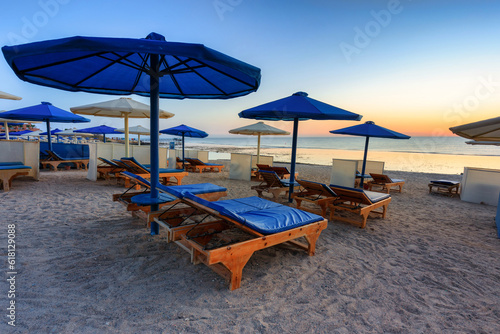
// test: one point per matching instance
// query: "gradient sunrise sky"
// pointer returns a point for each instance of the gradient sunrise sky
(416, 67)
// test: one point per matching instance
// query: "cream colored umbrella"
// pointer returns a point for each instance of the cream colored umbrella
(486, 130)
(259, 129)
(123, 107)
(136, 130)
(8, 96)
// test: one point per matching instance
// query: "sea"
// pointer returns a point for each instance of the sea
(446, 155)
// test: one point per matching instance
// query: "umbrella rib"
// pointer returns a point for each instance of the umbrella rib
(174, 80)
(145, 65)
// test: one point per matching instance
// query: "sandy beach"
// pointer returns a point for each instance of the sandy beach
(86, 265)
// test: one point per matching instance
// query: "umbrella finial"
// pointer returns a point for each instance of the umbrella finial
(370, 122)
(47, 103)
(156, 37)
(300, 94)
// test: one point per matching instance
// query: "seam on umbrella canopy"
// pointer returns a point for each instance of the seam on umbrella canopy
(179, 63)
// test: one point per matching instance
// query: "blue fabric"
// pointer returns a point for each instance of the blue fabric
(186, 131)
(195, 189)
(298, 106)
(14, 167)
(161, 170)
(397, 180)
(43, 112)
(96, 65)
(325, 188)
(145, 199)
(11, 163)
(370, 129)
(445, 182)
(261, 215)
(69, 151)
(109, 162)
(99, 130)
(373, 196)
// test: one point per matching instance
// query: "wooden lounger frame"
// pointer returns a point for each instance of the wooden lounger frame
(271, 183)
(196, 165)
(140, 171)
(314, 193)
(106, 170)
(55, 161)
(229, 261)
(7, 175)
(384, 181)
(357, 203)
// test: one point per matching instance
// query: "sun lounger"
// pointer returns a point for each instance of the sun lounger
(55, 160)
(136, 201)
(262, 223)
(282, 172)
(319, 194)
(447, 187)
(108, 168)
(272, 184)
(180, 164)
(385, 182)
(9, 170)
(198, 165)
(358, 201)
(135, 167)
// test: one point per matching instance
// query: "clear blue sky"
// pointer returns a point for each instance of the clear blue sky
(416, 67)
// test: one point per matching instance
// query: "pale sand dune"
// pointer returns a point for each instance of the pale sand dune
(85, 265)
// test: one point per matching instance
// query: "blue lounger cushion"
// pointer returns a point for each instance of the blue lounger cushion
(445, 182)
(326, 188)
(205, 163)
(373, 196)
(145, 199)
(161, 170)
(284, 182)
(196, 189)
(260, 215)
(11, 163)
(14, 167)
(109, 162)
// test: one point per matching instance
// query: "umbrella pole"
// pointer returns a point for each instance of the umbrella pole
(6, 127)
(258, 148)
(49, 135)
(294, 156)
(139, 140)
(364, 162)
(104, 137)
(154, 96)
(183, 167)
(126, 137)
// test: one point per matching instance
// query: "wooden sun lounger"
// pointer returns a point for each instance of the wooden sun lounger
(9, 171)
(207, 191)
(272, 184)
(358, 201)
(229, 260)
(316, 193)
(133, 166)
(108, 168)
(196, 165)
(282, 172)
(446, 187)
(55, 160)
(385, 182)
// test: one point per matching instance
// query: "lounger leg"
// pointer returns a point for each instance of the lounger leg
(323, 207)
(311, 240)
(299, 202)
(235, 266)
(365, 217)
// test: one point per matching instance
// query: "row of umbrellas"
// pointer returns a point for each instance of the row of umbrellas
(159, 69)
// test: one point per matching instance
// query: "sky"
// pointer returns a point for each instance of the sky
(413, 66)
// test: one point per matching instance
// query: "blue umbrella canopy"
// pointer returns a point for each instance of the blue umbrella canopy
(98, 130)
(298, 107)
(149, 67)
(369, 129)
(44, 112)
(52, 132)
(184, 131)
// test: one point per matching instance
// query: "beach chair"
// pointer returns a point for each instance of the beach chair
(135, 201)
(10, 170)
(230, 231)
(446, 187)
(316, 193)
(180, 164)
(198, 165)
(282, 172)
(55, 160)
(272, 184)
(135, 167)
(108, 168)
(385, 182)
(358, 201)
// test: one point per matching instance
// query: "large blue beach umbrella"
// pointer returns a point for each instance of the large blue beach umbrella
(98, 130)
(148, 67)
(52, 132)
(369, 129)
(184, 131)
(44, 112)
(297, 107)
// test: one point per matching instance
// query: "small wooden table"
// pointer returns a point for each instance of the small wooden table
(449, 189)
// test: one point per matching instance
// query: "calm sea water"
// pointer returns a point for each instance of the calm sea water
(429, 145)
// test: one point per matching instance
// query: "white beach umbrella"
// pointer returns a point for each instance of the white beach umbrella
(123, 107)
(8, 96)
(259, 129)
(475, 142)
(486, 130)
(136, 130)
